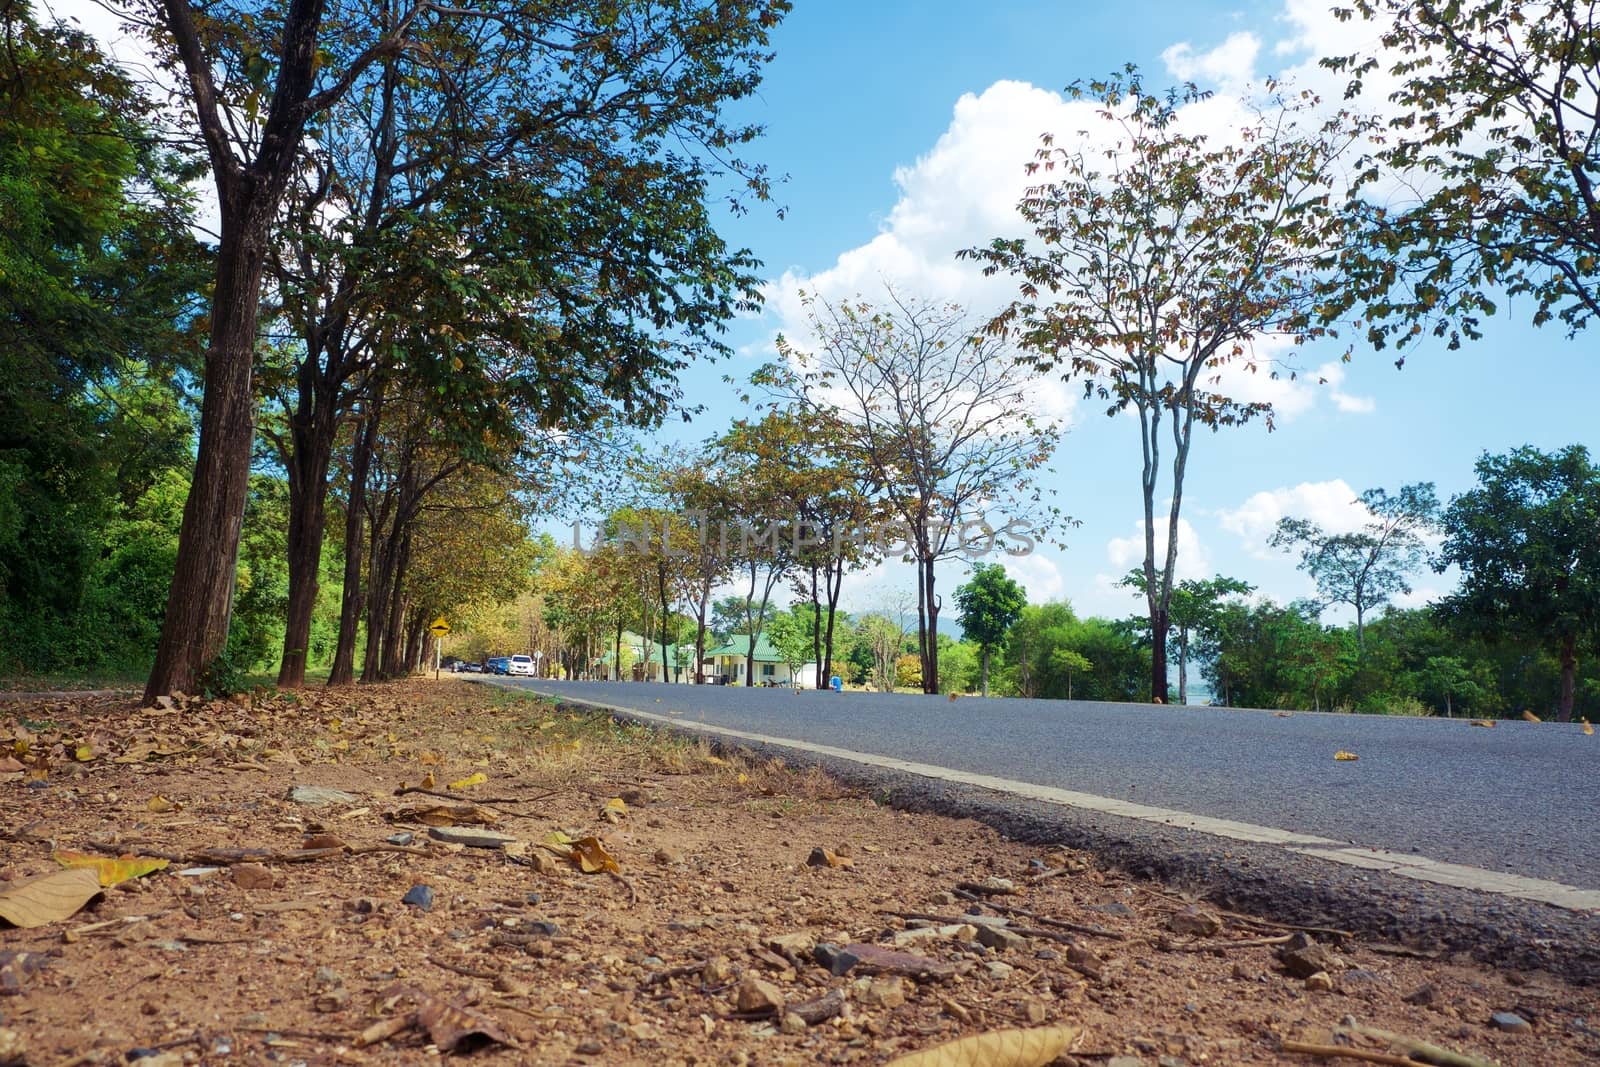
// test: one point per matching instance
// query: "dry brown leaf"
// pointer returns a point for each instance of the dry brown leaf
(1481, 722)
(475, 778)
(1587, 729)
(446, 815)
(1001, 1048)
(160, 804)
(9, 765)
(110, 871)
(591, 857)
(1343, 755)
(49, 898)
(1530, 716)
(451, 1027)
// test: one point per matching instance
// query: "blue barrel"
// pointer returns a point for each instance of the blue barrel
(836, 683)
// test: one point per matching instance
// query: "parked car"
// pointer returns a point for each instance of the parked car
(466, 667)
(522, 665)
(500, 665)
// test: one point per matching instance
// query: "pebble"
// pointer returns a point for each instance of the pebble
(419, 896)
(792, 1024)
(589, 1048)
(998, 969)
(1511, 1023)
(669, 857)
(252, 876)
(316, 796)
(1423, 996)
(1111, 907)
(881, 992)
(796, 944)
(1320, 982)
(1125, 1061)
(404, 837)
(838, 961)
(466, 835)
(999, 938)
(754, 995)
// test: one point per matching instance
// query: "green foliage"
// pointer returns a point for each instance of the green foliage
(1368, 567)
(959, 666)
(1495, 124)
(990, 602)
(1525, 541)
(1050, 653)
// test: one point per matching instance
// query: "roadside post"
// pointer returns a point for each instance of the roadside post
(439, 628)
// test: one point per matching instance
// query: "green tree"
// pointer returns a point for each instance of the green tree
(648, 76)
(938, 418)
(1160, 260)
(991, 601)
(1495, 118)
(1525, 543)
(1366, 568)
(1195, 613)
(1068, 662)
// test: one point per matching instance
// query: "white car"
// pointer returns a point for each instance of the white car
(520, 665)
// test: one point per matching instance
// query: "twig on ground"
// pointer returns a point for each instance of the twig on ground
(1220, 946)
(462, 969)
(1419, 1051)
(462, 796)
(1306, 1048)
(682, 970)
(1086, 929)
(387, 1028)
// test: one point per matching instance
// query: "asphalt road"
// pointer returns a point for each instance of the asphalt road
(1521, 798)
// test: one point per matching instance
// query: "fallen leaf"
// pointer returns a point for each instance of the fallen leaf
(452, 1028)
(40, 769)
(559, 842)
(1587, 729)
(429, 781)
(160, 804)
(1343, 755)
(614, 810)
(446, 815)
(1481, 722)
(1530, 716)
(9, 765)
(110, 871)
(1001, 1048)
(475, 778)
(591, 857)
(83, 753)
(823, 857)
(49, 898)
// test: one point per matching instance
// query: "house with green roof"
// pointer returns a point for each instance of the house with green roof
(728, 664)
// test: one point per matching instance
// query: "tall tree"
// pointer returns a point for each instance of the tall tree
(1525, 542)
(1163, 259)
(1366, 568)
(257, 81)
(1497, 123)
(1197, 606)
(991, 601)
(942, 419)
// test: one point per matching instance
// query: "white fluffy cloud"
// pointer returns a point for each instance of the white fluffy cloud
(1230, 64)
(1125, 553)
(1332, 505)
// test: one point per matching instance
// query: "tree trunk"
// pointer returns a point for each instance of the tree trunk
(1569, 677)
(835, 583)
(394, 664)
(200, 600)
(930, 671)
(1159, 625)
(984, 671)
(700, 630)
(311, 436)
(816, 630)
(352, 600)
(1183, 666)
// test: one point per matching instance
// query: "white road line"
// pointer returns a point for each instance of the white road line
(1406, 865)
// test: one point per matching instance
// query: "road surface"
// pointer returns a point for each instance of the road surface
(1520, 798)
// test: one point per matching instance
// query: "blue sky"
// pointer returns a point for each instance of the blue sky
(893, 119)
(903, 129)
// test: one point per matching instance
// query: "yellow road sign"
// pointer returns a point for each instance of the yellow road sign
(439, 627)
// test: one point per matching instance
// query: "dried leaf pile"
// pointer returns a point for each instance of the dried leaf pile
(401, 871)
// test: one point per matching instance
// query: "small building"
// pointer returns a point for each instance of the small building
(641, 661)
(728, 664)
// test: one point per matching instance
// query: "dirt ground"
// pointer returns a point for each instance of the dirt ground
(279, 930)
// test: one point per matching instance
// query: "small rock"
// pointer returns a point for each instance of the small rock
(941, 898)
(403, 838)
(1194, 921)
(331, 1001)
(1245, 971)
(504, 983)
(1510, 1022)
(754, 995)
(316, 796)
(950, 932)
(999, 886)
(999, 938)
(877, 959)
(252, 876)
(1035, 1012)
(469, 836)
(1172, 1061)
(589, 1048)
(1321, 982)
(821, 857)
(997, 969)
(881, 992)
(837, 961)
(419, 896)
(792, 1024)
(717, 971)
(1111, 907)
(1307, 961)
(955, 1009)
(1422, 996)
(669, 857)
(1125, 1061)
(13, 1048)
(796, 944)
